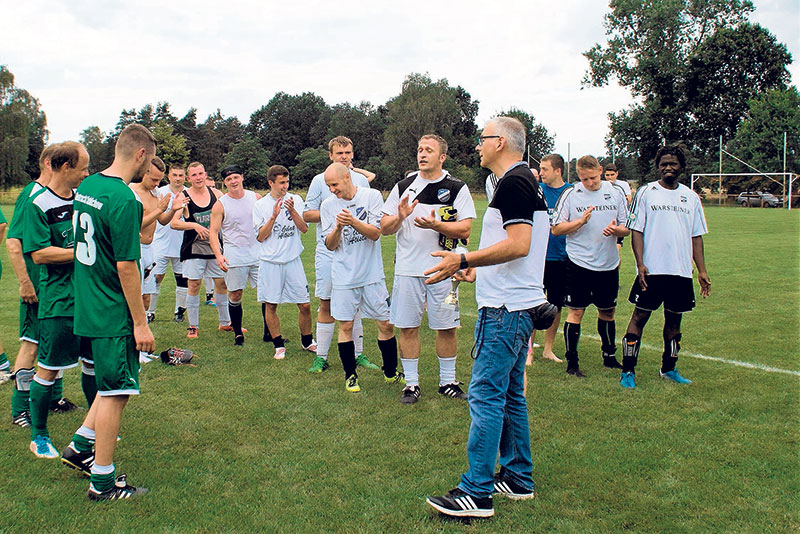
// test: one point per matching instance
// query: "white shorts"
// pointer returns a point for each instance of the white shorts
(163, 261)
(279, 283)
(198, 268)
(237, 277)
(148, 264)
(371, 300)
(409, 296)
(322, 268)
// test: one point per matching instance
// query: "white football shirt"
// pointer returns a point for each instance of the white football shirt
(357, 261)
(669, 219)
(240, 246)
(166, 241)
(284, 242)
(318, 191)
(587, 246)
(414, 245)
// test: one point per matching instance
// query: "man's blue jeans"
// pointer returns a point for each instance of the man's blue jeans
(497, 403)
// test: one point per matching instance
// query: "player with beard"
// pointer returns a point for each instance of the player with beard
(108, 306)
(667, 226)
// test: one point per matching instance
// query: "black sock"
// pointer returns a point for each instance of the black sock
(630, 352)
(278, 341)
(347, 353)
(267, 335)
(235, 311)
(670, 355)
(572, 333)
(389, 354)
(306, 339)
(608, 333)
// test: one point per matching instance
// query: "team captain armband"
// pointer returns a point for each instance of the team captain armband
(448, 214)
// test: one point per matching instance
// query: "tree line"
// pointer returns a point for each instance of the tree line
(696, 70)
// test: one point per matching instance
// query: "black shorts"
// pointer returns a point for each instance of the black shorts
(555, 281)
(675, 292)
(585, 287)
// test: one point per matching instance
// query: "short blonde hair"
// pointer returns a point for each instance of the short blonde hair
(589, 162)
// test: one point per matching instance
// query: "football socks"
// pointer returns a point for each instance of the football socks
(447, 371)
(410, 369)
(389, 354)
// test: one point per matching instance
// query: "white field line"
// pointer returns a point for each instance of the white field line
(696, 355)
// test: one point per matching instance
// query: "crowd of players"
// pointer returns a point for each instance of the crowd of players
(90, 253)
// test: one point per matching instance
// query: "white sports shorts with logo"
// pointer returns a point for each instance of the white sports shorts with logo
(163, 261)
(280, 283)
(409, 298)
(147, 265)
(199, 268)
(371, 300)
(237, 277)
(322, 268)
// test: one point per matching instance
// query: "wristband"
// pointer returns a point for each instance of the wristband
(464, 262)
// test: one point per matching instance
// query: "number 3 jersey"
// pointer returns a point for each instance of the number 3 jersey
(106, 221)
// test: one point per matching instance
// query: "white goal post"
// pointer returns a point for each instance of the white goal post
(786, 179)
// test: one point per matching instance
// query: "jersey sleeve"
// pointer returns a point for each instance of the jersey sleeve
(258, 216)
(35, 230)
(637, 217)
(314, 196)
(392, 201)
(15, 228)
(464, 204)
(622, 206)
(124, 221)
(699, 221)
(515, 201)
(3, 219)
(375, 211)
(327, 219)
(562, 210)
(360, 180)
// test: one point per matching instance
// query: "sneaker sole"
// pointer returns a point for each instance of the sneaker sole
(460, 513)
(78, 468)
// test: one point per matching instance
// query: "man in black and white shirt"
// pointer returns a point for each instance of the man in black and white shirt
(429, 210)
(351, 228)
(589, 214)
(511, 302)
(667, 225)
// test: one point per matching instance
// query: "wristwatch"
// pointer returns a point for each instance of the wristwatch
(464, 262)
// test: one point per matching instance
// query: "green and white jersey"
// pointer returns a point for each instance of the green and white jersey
(15, 228)
(48, 223)
(106, 222)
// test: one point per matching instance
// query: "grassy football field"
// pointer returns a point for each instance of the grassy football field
(245, 443)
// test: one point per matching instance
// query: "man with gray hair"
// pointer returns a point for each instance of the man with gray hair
(511, 303)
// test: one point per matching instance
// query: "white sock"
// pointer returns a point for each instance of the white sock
(193, 307)
(222, 308)
(209, 283)
(324, 338)
(180, 298)
(102, 469)
(358, 333)
(86, 432)
(447, 370)
(154, 299)
(411, 371)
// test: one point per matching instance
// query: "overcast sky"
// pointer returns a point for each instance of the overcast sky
(86, 60)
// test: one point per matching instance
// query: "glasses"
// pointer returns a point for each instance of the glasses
(482, 137)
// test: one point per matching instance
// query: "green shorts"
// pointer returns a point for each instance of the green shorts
(59, 348)
(116, 365)
(29, 322)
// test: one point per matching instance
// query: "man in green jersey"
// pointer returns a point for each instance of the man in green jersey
(5, 366)
(108, 305)
(28, 275)
(48, 239)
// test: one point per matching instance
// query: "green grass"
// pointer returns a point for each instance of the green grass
(246, 443)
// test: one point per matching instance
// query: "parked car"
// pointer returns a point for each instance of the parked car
(758, 199)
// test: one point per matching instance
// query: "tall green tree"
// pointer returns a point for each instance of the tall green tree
(287, 124)
(682, 60)
(424, 106)
(214, 138)
(363, 124)
(23, 132)
(248, 154)
(170, 147)
(100, 152)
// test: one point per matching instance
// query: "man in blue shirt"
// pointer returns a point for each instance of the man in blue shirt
(552, 183)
